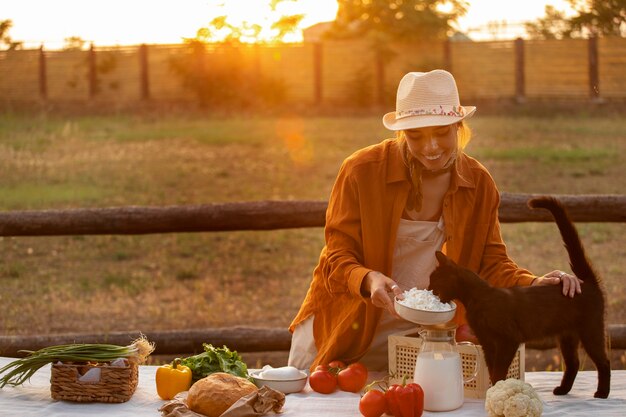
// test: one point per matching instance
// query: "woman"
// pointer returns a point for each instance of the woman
(392, 206)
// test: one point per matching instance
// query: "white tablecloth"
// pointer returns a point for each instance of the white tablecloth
(33, 399)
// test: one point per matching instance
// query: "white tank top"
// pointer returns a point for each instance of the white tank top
(413, 262)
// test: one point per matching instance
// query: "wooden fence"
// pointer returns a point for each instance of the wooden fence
(266, 215)
(329, 73)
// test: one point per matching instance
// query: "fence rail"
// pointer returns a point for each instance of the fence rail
(242, 339)
(263, 215)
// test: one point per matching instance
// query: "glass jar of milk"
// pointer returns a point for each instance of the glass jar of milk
(438, 369)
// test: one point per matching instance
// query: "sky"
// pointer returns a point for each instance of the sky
(128, 22)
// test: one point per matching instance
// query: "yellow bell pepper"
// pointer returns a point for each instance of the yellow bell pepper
(172, 378)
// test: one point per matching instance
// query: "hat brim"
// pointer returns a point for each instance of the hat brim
(415, 122)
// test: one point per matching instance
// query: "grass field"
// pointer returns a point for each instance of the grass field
(175, 281)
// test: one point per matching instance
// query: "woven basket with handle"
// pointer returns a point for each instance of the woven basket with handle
(116, 385)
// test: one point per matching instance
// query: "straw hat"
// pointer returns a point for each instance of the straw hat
(426, 99)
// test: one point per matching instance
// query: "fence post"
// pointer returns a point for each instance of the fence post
(43, 75)
(317, 72)
(520, 79)
(594, 78)
(93, 78)
(144, 82)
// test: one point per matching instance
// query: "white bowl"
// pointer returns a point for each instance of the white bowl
(424, 316)
(286, 386)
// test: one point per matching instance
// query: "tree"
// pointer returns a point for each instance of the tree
(595, 17)
(74, 43)
(286, 25)
(221, 29)
(397, 19)
(554, 25)
(227, 77)
(5, 26)
(599, 17)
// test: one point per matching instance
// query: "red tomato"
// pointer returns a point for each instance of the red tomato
(336, 364)
(323, 382)
(321, 368)
(359, 367)
(405, 400)
(353, 378)
(373, 404)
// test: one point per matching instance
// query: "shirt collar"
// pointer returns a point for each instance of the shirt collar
(463, 177)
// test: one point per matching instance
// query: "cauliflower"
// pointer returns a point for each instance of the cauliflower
(513, 398)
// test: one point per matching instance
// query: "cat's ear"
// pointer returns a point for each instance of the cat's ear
(443, 259)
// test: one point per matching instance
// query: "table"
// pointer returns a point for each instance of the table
(32, 399)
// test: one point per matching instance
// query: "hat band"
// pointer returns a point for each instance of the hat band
(440, 110)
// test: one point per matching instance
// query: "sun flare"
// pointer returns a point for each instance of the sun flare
(122, 22)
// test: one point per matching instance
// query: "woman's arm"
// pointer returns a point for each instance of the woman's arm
(343, 269)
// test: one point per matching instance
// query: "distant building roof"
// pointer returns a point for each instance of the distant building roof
(315, 32)
(460, 37)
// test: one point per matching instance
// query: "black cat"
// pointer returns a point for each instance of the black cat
(502, 318)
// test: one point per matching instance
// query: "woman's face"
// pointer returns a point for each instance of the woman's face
(432, 146)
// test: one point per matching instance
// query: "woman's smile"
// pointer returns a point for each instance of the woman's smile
(432, 146)
(433, 157)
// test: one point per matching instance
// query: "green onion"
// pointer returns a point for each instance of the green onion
(20, 370)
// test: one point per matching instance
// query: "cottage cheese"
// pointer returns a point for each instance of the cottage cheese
(423, 300)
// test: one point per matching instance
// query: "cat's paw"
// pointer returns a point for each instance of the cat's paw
(601, 394)
(560, 390)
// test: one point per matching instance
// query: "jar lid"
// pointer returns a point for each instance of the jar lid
(438, 332)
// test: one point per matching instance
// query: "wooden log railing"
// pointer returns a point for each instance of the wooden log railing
(263, 215)
(242, 339)
(172, 342)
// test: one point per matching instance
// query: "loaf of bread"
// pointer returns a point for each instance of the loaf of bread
(213, 394)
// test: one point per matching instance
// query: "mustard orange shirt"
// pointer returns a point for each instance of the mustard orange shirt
(364, 210)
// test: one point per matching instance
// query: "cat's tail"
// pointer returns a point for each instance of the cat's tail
(578, 260)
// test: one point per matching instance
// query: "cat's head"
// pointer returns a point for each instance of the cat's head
(445, 278)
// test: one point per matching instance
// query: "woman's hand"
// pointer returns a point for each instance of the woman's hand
(571, 283)
(379, 287)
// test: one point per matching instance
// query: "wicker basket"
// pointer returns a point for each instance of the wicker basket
(404, 348)
(117, 384)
